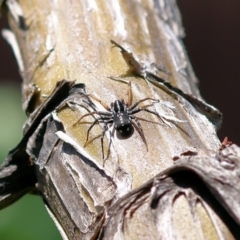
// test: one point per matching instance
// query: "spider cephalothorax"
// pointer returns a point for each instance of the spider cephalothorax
(121, 115)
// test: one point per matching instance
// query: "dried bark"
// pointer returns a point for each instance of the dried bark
(179, 184)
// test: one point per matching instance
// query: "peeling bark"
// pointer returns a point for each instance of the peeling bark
(184, 185)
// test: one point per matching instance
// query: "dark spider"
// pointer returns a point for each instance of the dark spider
(121, 115)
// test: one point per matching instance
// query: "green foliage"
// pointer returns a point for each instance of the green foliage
(27, 219)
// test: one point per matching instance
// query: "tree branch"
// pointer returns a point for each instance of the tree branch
(179, 185)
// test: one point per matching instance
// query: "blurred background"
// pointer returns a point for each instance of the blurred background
(212, 43)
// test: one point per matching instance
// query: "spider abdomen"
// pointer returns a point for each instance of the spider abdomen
(122, 123)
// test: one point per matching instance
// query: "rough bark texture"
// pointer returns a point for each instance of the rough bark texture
(173, 180)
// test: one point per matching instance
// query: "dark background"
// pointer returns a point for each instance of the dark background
(212, 42)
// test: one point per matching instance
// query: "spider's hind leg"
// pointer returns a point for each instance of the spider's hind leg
(140, 101)
(155, 113)
(102, 137)
(89, 129)
(105, 127)
(139, 129)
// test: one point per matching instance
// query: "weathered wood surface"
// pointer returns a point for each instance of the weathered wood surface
(180, 185)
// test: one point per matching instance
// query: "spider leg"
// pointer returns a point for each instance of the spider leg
(129, 102)
(89, 129)
(139, 129)
(140, 101)
(102, 137)
(109, 145)
(147, 110)
(148, 105)
(103, 134)
(99, 119)
(106, 121)
(146, 120)
(90, 141)
(100, 101)
(117, 45)
(92, 113)
(88, 114)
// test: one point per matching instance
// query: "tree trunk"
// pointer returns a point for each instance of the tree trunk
(167, 178)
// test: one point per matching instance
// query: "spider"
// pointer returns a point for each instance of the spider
(121, 115)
